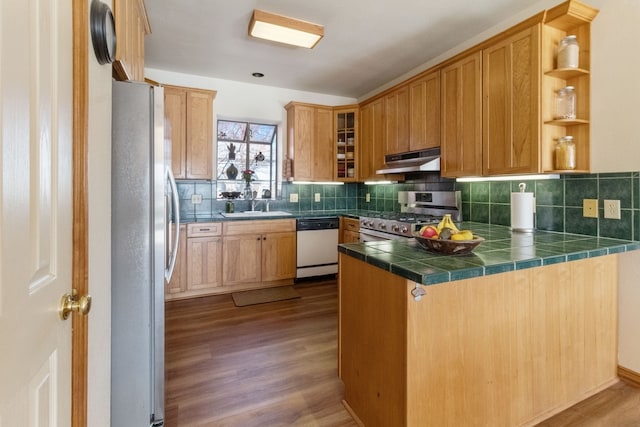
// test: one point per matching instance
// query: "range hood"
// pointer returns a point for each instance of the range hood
(415, 161)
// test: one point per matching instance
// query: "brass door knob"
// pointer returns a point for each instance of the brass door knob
(73, 302)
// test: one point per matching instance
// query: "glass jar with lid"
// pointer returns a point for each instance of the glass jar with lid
(566, 104)
(568, 52)
(565, 153)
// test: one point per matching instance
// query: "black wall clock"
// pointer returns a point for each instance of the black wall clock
(103, 32)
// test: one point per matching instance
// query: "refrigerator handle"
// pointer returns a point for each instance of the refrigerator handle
(176, 212)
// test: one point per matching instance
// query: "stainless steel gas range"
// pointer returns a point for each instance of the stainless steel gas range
(416, 209)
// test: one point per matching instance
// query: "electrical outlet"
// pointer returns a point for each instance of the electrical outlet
(293, 197)
(196, 199)
(612, 209)
(367, 197)
(316, 197)
(590, 208)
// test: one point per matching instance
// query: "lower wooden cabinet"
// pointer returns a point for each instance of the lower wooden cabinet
(198, 269)
(259, 253)
(241, 258)
(204, 263)
(216, 258)
(349, 230)
(279, 256)
(178, 283)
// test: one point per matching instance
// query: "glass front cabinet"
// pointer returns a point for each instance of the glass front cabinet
(346, 140)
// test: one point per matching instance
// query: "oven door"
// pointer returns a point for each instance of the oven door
(367, 235)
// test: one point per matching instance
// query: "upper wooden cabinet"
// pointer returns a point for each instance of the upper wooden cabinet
(372, 139)
(132, 24)
(424, 112)
(569, 18)
(520, 83)
(412, 114)
(396, 106)
(189, 131)
(511, 108)
(462, 117)
(345, 120)
(309, 148)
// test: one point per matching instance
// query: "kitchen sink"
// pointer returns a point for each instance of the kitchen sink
(252, 214)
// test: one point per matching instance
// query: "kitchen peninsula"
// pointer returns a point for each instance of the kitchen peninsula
(508, 335)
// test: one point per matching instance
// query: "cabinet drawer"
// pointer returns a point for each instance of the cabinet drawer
(259, 226)
(205, 229)
(351, 224)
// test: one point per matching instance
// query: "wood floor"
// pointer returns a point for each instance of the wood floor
(275, 365)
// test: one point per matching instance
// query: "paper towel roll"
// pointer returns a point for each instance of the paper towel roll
(522, 205)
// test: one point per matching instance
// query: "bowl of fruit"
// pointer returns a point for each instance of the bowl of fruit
(446, 238)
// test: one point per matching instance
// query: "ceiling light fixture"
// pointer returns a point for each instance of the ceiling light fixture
(258, 75)
(282, 29)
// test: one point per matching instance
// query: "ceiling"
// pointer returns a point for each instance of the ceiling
(367, 43)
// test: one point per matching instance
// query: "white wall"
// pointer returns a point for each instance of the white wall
(244, 100)
(99, 170)
(615, 87)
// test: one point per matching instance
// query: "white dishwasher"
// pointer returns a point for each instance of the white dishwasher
(317, 246)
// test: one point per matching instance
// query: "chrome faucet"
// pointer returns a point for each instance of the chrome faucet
(254, 202)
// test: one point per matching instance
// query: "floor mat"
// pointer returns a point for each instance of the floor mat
(261, 296)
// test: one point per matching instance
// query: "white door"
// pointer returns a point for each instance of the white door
(35, 211)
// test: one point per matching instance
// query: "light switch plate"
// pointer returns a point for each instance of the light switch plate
(590, 208)
(196, 199)
(367, 197)
(612, 209)
(316, 197)
(293, 197)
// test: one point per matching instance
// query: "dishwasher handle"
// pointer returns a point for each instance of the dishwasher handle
(308, 224)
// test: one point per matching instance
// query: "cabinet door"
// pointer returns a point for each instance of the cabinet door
(199, 134)
(175, 129)
(278, 256)
(300, 128)
(132, 24)
(397, 121)
(372, 139)
(511, 122)
(365, 169)
(178, 281)
(322, 146)
(378, 135)
(241, 259)
(204, 263)
(462, 117)
(424, 118)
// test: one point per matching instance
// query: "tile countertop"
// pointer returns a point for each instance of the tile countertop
(501, 251)
(318, 214)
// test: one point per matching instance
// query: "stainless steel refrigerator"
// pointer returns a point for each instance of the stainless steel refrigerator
(143, 246)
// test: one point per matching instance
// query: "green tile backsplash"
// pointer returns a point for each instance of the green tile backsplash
(558, 202)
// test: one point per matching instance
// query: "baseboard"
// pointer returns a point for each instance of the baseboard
(353, 414)
(629, 376)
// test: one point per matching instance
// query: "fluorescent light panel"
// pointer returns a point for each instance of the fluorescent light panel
(282, 29)
(507, 178)
(318, 182)
(380, 182)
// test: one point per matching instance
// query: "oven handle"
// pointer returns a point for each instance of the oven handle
(367, 235)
